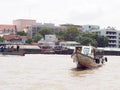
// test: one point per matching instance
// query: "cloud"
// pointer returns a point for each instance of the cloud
(101, 12)
(87, 15)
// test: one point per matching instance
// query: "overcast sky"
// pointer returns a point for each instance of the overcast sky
(95, 12)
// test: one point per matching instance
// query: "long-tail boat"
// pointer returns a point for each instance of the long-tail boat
(88, 57)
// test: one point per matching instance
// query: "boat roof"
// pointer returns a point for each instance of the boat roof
(29, 47)
(91, 47)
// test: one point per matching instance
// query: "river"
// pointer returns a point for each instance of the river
(56, 72)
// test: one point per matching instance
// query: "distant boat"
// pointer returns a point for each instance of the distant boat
(88, 57)
(55, 50)
(8, 49)
(18, 49)
(46, 50)
(20, 53)
(62, 50)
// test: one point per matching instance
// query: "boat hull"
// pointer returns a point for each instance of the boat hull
(20, 53)
(85, 61)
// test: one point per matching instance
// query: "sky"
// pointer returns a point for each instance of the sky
(81, 12)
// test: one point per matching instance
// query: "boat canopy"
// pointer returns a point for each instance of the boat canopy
(89, 50)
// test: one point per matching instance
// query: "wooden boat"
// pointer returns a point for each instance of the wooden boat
(30, 49)
(55, 50)
(46, 50)
(7, 49)
(62, 50)
(20, 53)
(88, 57)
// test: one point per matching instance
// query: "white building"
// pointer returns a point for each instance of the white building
(49, 40)
(90, 27)
(32, 30)
(112, 34)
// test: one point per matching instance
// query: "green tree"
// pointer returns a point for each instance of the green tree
(60, 35)
(45, 30)
(102, 41)
(29, 41)
(86, 41)
(37, 37)
(1, 39)
(92, 39)
(21, 33)
(71, 33)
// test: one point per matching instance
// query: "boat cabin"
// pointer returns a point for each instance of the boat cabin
(90, 51)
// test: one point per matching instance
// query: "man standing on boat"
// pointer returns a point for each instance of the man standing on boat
(78, 50)
(18, 47)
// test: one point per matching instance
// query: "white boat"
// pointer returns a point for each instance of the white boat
(88, 57)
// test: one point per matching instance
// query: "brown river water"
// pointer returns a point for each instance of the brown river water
(56, 72)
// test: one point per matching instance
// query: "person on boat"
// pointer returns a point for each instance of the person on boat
(5, 49)
(78, 50)
(2, 49)
(18, 48)
(12, 48)
(102, 61)
(8, 48)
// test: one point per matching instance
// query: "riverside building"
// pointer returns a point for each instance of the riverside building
(112, 34)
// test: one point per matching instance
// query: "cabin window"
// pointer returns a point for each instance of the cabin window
(86, 51)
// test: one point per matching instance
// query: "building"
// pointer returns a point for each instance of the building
(22, 24)
(15, 39)
(79, 27)
(32, 30)
(49, 40)
(82, 28)
(49, 25)
(90, 27)
(112, 34)
(7, 30)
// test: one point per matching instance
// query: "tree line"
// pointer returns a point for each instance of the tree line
(71, 33)
(84, 38)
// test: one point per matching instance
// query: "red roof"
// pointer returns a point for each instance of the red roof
(14, 37)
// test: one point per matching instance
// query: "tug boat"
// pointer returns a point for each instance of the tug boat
(88, 57)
